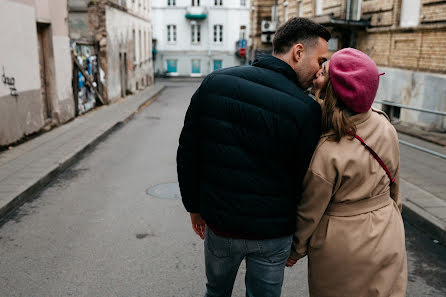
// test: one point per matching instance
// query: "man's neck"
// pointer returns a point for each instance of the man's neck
(284, 58)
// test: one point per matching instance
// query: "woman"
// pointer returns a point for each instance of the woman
(349, 218)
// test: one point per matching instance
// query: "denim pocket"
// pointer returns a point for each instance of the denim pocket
(219, 246)
(277, 249)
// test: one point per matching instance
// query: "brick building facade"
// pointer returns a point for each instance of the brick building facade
(261, 10)
(406, 38)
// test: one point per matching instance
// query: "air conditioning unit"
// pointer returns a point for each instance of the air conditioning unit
(267, 37)
(268, 26)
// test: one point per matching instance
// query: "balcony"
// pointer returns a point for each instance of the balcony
(196, 13)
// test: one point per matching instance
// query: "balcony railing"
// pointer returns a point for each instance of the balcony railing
(196, 13)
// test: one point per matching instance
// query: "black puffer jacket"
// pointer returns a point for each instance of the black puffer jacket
(247, 140)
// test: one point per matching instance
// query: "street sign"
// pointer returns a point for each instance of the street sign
(242, 52)
(242, 43)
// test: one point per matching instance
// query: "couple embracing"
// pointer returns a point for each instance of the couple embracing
(270, 175)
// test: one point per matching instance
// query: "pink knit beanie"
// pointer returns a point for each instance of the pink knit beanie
(355, 78)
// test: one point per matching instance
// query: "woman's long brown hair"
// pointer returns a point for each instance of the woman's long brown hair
(335, 115)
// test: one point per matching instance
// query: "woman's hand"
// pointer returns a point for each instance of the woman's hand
(290, 262)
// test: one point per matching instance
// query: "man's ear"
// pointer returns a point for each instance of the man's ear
(298, 51)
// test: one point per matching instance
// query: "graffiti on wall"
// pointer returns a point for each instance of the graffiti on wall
(86, 56)
(10, 83)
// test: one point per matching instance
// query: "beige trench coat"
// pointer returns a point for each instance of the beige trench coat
(349, 218)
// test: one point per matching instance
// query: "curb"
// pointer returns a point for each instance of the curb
(420, 136)
(417, 204)
(29, 191)
(425, 221)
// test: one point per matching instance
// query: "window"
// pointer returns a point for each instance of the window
(218, 33)
(134, 45)
(195, 32)
(218, 2)
(148, 53)
(218, 64)
(285, 7)
(171, 3)
(195, 2)
(393, 112)
(140, 47)
(333, 44)
(318, 7)
(171, 33)
(145, 46)
(196, 66)
(242, 2)
(354, 10)
(410, 13)
(172, 66)
(300, 8)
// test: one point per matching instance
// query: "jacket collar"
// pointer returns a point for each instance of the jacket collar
(360, 118)
(272, 63)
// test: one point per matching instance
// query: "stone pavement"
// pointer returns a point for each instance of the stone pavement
(420, 207)
(27, 168)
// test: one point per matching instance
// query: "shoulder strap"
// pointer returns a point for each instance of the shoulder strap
(375, 155)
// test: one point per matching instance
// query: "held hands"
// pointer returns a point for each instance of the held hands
(290, 262)
(198, 224)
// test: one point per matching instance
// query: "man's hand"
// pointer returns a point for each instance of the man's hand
(198, 224)
(290, 262)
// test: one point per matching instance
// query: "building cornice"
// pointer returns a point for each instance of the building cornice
(423, 27)
(126, 10)
(210, 8)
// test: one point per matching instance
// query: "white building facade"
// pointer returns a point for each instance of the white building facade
(196, 37)
(129, 47)
(35, 67)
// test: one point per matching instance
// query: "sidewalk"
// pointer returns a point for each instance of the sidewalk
(421, 208)
(27, 168)
(424, 210)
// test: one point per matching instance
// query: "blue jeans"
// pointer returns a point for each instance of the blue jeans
(265, 264)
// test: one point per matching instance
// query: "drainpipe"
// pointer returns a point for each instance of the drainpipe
(348, 10)
(275, 12)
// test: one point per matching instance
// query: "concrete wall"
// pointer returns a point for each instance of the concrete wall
(231, 15)
(62, 76)
(21, 101)
(22, 114)
(415, 89)
(120, 26)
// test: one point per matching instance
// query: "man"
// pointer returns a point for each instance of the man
(247, 140)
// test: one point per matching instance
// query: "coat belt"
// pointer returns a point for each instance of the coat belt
(353, 208)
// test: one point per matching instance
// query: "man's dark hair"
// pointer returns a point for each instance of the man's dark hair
(298, 30)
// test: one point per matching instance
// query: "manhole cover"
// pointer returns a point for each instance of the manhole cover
(166, 191)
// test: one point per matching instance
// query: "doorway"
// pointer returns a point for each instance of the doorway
(42, 35)
(123, 73)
